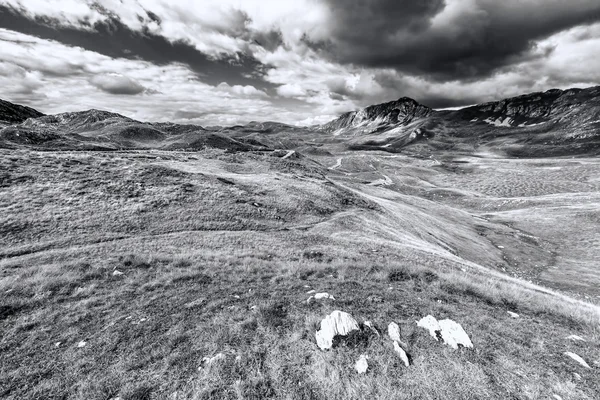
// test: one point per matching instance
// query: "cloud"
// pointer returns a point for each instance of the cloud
(291, 90)
(239, 90)
(117, 84)
(54, 78)
(306, 60)
(452, 39)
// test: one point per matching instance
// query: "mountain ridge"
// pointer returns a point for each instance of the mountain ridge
(554, 122)
(11, 113)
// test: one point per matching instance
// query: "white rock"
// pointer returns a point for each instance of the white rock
(453, 334)
(362, 365)
(394, 331)
(431, 324)
(311, 291)
(513, 314)
(336, 323)
(207, 361)
(557, 397)
(577, 358)
(401, 353)
(576, 338)
(57, 344)
(81, 344)
(370, 325)
(320, 296)
(116, 272)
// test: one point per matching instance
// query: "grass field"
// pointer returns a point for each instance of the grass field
(121, 271)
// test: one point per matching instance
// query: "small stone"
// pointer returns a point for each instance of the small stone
(577, 358)
(116, 272)
(336, 323)
(362, 365)
(394, 331)
(513, 314)
(320, 296)
(208, 361)
(311, 291)
(500, 247)
(81, 344)
(371, 327)
(401, 353)
(57, 344)
(557, 397)
(576, 376)
(576, 338)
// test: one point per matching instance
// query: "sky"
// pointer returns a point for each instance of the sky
(303, 62)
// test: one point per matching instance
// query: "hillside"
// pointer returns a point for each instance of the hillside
(199, 263)
(13, 113)
(552, 123)
(102, 130)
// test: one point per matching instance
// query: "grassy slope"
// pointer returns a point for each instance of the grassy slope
(217, 253)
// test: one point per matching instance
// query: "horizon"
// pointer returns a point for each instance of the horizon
(306, 126)
(232, 62)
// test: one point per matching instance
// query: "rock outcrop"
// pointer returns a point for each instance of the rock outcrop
(387, 115)
(451, 332)
(336, 323)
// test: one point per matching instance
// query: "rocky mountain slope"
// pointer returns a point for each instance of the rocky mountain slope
(378, 117)
(551, 123)
(13, 113)
(554, 122)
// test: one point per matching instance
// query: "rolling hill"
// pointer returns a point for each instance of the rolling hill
(197, 262)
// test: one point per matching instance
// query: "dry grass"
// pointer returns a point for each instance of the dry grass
(189, 292)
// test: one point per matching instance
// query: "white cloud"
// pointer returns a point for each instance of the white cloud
(117, 84)
(239, 90)
(291, 90)
(54, 77)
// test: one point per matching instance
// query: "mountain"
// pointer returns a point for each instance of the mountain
(378, 117)
(103, 130)
(13, 113)
(552, 123)
(544, 124)
(572, 107)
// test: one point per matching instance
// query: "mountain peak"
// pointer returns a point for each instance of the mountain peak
(372, 118)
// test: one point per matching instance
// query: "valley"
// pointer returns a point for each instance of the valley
(131, 252)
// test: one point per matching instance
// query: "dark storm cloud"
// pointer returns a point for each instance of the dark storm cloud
(116, 40)
(447, 40)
